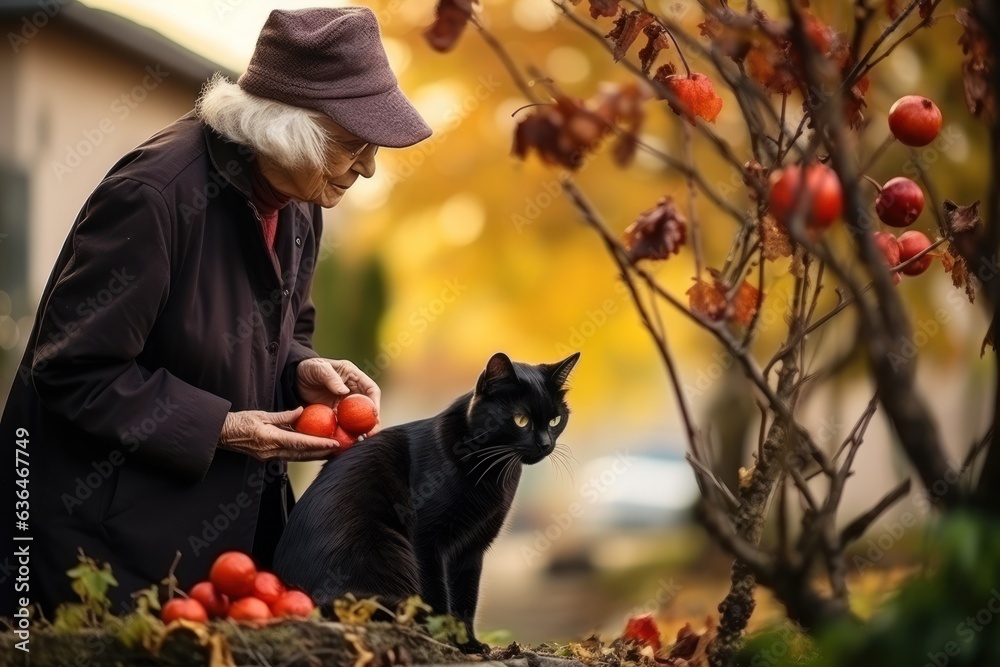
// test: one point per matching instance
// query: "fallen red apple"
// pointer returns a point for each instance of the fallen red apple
(233, 574)
(293, 604)
(214, 602)
(188, 609)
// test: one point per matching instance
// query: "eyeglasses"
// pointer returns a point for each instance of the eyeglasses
(355, 154)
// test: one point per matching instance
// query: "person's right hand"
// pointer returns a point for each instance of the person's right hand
(260, 434)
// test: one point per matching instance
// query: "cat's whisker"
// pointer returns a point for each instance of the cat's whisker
(489, 457)
(503, 458)
(510, 467)
(561, 447)
(558, 458)
(483, 451)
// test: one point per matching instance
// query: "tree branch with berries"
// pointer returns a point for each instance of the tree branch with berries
(801, 180)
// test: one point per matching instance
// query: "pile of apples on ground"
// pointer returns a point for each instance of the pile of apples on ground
(237, 591)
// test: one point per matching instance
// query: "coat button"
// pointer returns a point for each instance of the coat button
(298, 240)
(286, 293)
(272, 347)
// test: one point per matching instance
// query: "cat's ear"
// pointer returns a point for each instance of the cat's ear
(559, 372)
(498, 369)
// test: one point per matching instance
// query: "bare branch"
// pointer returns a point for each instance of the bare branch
(857, 528)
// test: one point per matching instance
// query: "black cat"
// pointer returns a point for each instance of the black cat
(412, 509)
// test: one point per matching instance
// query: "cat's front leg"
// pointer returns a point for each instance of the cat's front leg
(466, 571)
(433, 581)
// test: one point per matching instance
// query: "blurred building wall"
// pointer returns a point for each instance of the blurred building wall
(79, 88)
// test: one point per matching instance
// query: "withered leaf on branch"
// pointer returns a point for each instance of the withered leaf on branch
(709, 299)
(561, 133)
(657, 41)
(566, 131)
(963, 219)
(959, 270)
(977, 68)
(627, 29)
(774, 239)
(965, 228)
(695, 94)
(603, 8)
(450, 20)
(732, 39)
(773, 61)
(622, 104)
(657, 232)
(690, 649)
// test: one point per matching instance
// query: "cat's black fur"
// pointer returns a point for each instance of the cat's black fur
(413, 509)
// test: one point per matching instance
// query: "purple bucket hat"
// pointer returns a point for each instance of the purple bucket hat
(332, 60)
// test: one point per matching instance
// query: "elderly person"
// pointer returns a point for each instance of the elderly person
(159, 418)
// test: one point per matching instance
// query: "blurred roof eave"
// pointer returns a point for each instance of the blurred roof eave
(124, 34)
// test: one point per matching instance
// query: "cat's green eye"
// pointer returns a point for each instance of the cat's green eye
(555, 420)
(521, 420)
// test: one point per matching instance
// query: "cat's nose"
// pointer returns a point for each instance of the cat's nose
(544, 441)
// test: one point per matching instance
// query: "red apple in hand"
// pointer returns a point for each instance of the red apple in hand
(356, 414)
(344, 438)
(319, 420)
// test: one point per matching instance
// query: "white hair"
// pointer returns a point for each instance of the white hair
(289, 135)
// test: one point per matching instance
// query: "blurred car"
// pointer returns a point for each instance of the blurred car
(653, 489)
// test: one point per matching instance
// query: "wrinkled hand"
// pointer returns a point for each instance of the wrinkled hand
(327, 381)
(260, 434)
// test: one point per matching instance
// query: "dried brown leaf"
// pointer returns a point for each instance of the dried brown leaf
(691, 647)
(965, 230)
(744, 305)
(959, 271)
(627, 29)
(621, 104)
(450, 19)
(962, 219)
(709, 299)
(566, 131)
(656, 41)
(656, 233)
(977, 68)
(774, 239)
(603, 8)
(352, 611)
(855, 102)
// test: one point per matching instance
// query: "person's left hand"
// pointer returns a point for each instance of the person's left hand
(327, 381)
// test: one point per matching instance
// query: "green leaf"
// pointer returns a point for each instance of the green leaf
(447, 629)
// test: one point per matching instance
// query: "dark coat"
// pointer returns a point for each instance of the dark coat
(165, 310)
